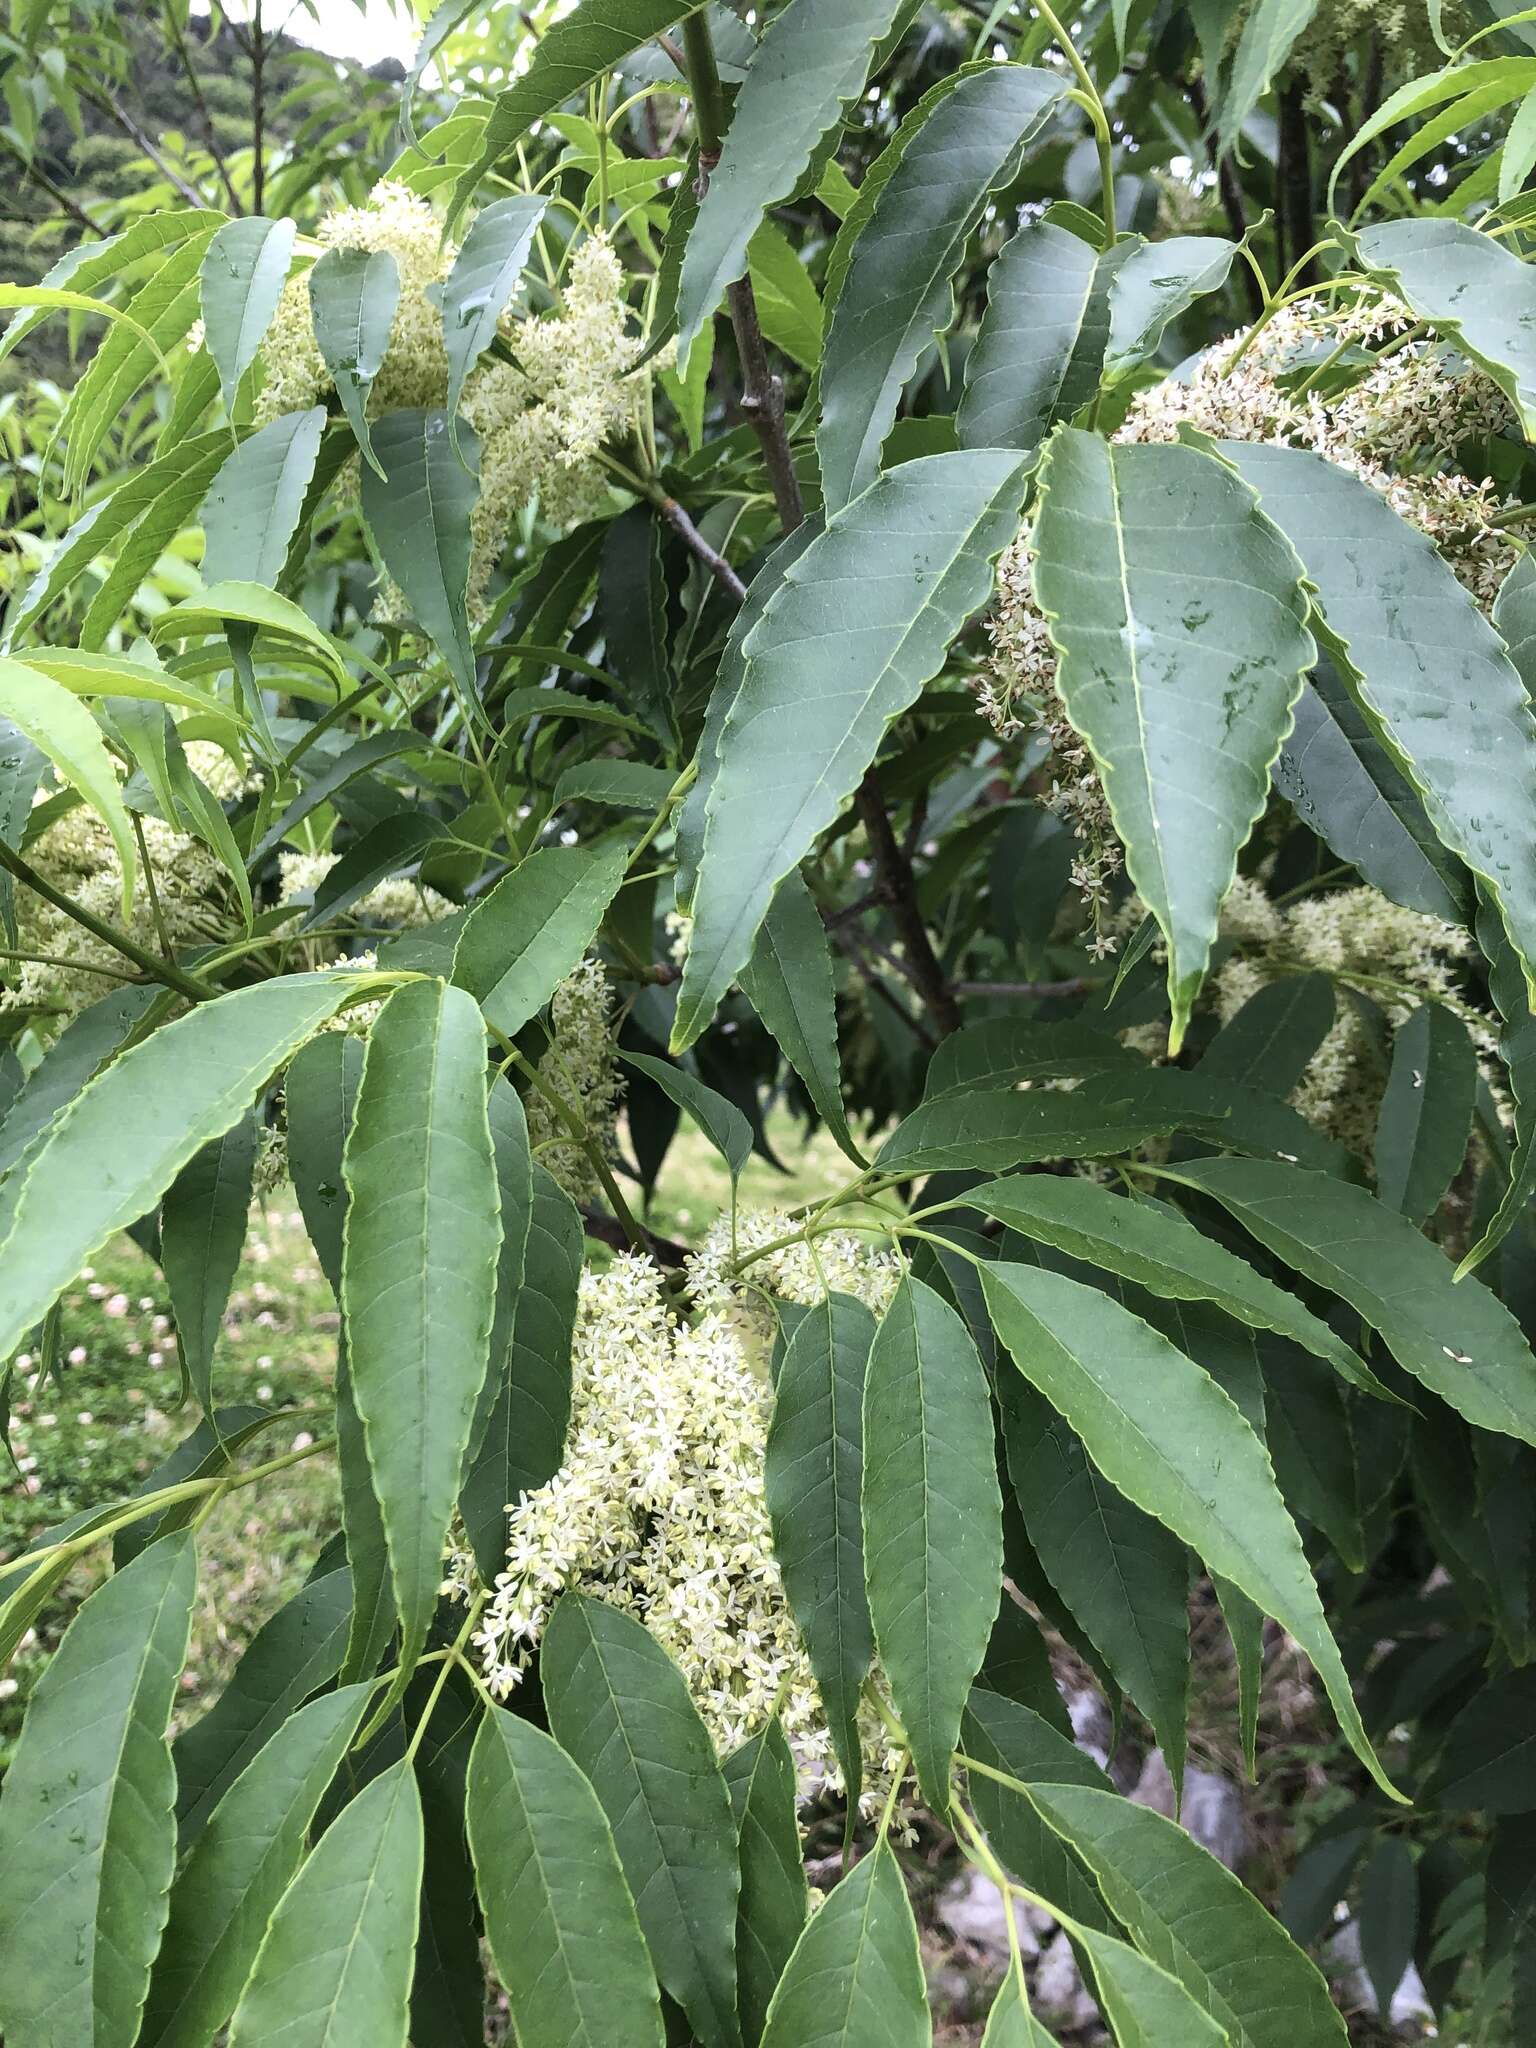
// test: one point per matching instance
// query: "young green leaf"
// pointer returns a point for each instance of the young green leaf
(481, 284)
(335, 1965)
(618, 1706)
(856, 1976)
(521, 941)
(239, 1868)
(1194, 1918)
(899, 570)
(87, 1836)
(789, 983)
(933, 1539)
(808, 70)
(353, 296)
(558, 1914)
(1170, 1439)
(202, 1232)
(420, 523)
(775, 1903)
(243, 273)
(1039, 349)
(111, 1153)
(899, 288)
(1458, 1338)
(1268, 37)
(812, 1484)
(1430, 673)
(249, 604)
(721, 1122)
(1389, 1916)
(1177, 612)
(1426, 1112)
(252, 508)
(58, 724)
(418, 1283)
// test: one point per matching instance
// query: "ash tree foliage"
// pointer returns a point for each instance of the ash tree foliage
(956, 569)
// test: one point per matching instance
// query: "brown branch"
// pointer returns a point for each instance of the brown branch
(258, 109)
(39, 176)
(120, 114)
(1293, 183)
(899, 888)
(849, 943)
(608, 1230)
(696, 544)
(173, 27)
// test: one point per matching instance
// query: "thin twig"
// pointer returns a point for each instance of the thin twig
(258, 108)
(120, 114)
(173, 25)
(1028, 991)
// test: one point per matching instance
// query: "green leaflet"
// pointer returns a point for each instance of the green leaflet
(1488, 1761)
(1163, 1433)
(239, 1868)
(249, 604)
(398, 841)
(1145, 2006)
(618, 1706)
(558, 1914)
(788, 304)
(353, 295)
(632, 612)
(321, 1090)
(1177, 613)
(514, 1179)
(1271, 1039)
(809, 68)
(1268, 37)
(625, 785)
(290, 1657)
(894, 574)
(1004, 1736)
(1479, 87)
(1011, 2024)
(1124, 1578)
(591, 39)
(418, 1281)
(1458, 1338)
(107, 1157)
(58, 724)
(856, 1976)
(1470, 287)
(1199, 1922)
(521, 941)
(1159, 1249)
(1006, 1050)
(992, 1129)
(420, 522)
(481, 284)
(90, 264)
(202, 1231)
(252, 508)
(789, 983)
(86, 1826)
(812, 1485)
(1428, 670)
(243, 272)
(933, 1541)
(1426, 1112)
(1389, 1916)
(1039, 350)
(523, 1439)
(775, 1903)
(83, 1046)
(335, 1965)
(899, 290)
(1152, 286)
(721, 1122)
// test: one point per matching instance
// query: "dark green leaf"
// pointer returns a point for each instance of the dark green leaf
(396, 842)
(1144, 2005)
(420, 522)
(1002, 1050)
(1011, 2024)
(624, 785)
(202, 1232)
(856, 1976)
(618, 1706)
(1488, 1763)
(242, 278)
(1005, 1736)
(353, 294)
(1389, 1917)
(1177, 612)
(632, 611)
(1270, 1041)
(1426, 1111)
(721, 1122)
(991, 1129)
(774, 1904)
(533, 929)
(252, 508)
(558, 1913)
(789, 983)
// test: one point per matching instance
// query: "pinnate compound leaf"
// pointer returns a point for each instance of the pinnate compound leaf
(1457, 1337)
(353, 294)
(420, 522)
(808, 70)
(58, 724)
(775, 1904)
(109, 1155)
(1191, 1915)
(789, 983)
(418, 1282)
(894, 576)
(1429, 672)
(239, 1868)
(202, 1233)
(1177, 613)
(812, 1485)
(721, 1122)
(534, 928)
(252, 508)
(618, 1706)
(1156, 1247)
(899, 289)
(481, 284)
(856, 1977)
(933, 1533)
(558, 1914)
(1426, 1111)
(335, 1965)
(87, 1834)
(245, 267)
(1168, 1437)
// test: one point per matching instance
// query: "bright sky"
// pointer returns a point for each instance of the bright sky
(366, 30)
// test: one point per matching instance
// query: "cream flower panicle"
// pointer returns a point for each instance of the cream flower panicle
(582, 1067)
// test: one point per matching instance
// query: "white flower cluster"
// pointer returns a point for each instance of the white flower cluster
(840, 1264)
(1362, 941)
(581, 1065)
(76, 854)
(541, 421)
(398, 902)
(658, 1508)
(1401, 427)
